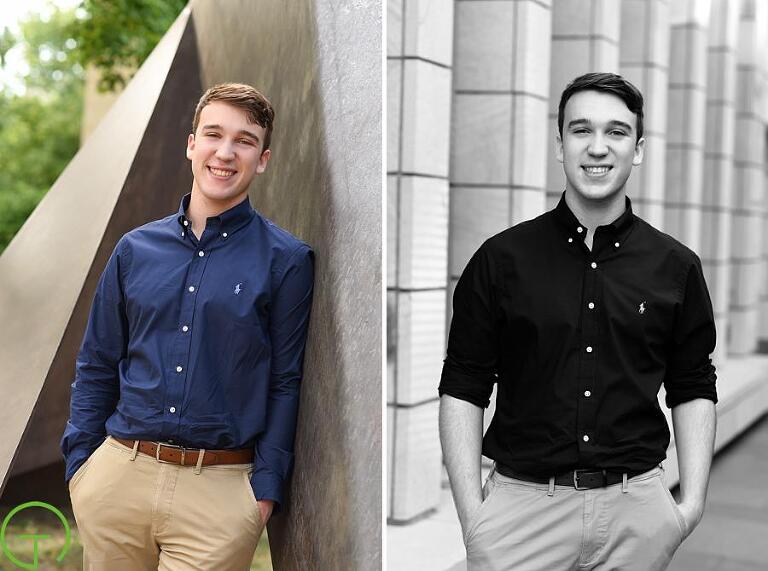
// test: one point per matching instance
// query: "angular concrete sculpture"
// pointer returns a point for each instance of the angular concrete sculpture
(320, 64)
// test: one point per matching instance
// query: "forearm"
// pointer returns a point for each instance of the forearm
(461, 434)
(694, 424)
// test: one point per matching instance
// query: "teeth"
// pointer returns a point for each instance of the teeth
(596, 170)
(219, 172)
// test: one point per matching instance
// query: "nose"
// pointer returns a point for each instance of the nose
(225, 151)
(597, 146)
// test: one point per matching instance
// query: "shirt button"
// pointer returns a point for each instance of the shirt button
(579, 229)
(172, 409)
(179, 369)
(587, 394)
(186, 223)
(589, 349)
(594, 265)
(591, 305)
(616, 244)
(585, 438)
(185, 328)
(570, 240)
(224, 234)
(182, 234)
(191, 288)
(201, 253)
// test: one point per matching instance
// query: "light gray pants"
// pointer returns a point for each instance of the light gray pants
(520, 526)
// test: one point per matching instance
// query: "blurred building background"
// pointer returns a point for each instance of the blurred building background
(473, 89)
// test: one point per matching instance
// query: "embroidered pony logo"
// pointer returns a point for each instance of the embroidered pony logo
(238, 289)
(642, 308)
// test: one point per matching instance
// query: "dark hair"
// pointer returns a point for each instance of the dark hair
(604, 83)
(245, 97)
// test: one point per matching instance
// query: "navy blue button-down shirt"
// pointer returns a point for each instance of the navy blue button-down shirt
(197, 342)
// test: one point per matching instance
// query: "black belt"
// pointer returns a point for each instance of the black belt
(583, 479)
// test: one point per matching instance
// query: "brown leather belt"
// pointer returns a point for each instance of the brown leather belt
(170, 454)
(579, 479)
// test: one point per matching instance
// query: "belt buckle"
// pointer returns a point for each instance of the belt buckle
(157, 453)
(603, 483)
(576, 479)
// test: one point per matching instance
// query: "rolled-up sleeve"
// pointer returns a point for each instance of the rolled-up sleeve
(690, 374)
(471, 364)
(96, 388)
(289, 321)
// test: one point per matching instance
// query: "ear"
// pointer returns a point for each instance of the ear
(559, 146)
(263, 160)
(190, 145)
(639, 152)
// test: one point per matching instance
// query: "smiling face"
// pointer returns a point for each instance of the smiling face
(226, 153)
(599, 145)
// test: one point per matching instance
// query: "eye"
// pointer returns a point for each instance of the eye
(211, 134)
(580, 131)
(618, 133)
(245, 141)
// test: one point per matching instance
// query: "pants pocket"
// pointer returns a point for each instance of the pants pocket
(80, 472)
(254, 504)
(675, 510)
(488, 488)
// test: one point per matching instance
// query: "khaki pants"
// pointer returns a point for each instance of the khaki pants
(135, 513)
(521, 526)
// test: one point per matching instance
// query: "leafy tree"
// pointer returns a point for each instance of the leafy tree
(118, 35)
(40, 129)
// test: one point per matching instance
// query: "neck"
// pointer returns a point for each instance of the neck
(594, 213)
(201, 208)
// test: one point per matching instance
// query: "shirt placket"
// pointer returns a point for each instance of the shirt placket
(181, 348)
(587, 374)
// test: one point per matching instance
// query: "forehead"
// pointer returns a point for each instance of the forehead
(228, 117)
(597, 107)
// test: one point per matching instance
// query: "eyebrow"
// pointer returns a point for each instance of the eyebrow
(613, 123)
(240, 132)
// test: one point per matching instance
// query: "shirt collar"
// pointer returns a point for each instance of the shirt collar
(226, 222)
(619, 227)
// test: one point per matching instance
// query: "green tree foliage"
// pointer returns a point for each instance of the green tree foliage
(118, 35)
(40, 128)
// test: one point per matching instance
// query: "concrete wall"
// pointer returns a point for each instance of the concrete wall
(701, 65)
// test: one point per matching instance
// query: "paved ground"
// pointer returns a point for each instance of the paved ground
(733, 536)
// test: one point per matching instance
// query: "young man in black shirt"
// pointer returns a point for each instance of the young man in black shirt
(580, 316)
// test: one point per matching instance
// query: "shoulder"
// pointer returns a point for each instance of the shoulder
(664, 245)
(516, 238)
(151, 230)
(287, 249)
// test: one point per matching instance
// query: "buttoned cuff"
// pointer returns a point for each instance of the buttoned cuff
(270, 471)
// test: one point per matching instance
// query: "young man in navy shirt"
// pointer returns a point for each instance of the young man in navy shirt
(185, 397)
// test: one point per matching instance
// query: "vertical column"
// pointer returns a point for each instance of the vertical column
(686, 119)
(761, 16)
(749, 189)
(585, 37)
(499, 122)
(419, 47)
(718, 161)
(644, 60)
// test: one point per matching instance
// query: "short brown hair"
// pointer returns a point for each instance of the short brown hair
(257, 107)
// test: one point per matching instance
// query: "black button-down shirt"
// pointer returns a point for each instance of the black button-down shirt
(580, 342)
